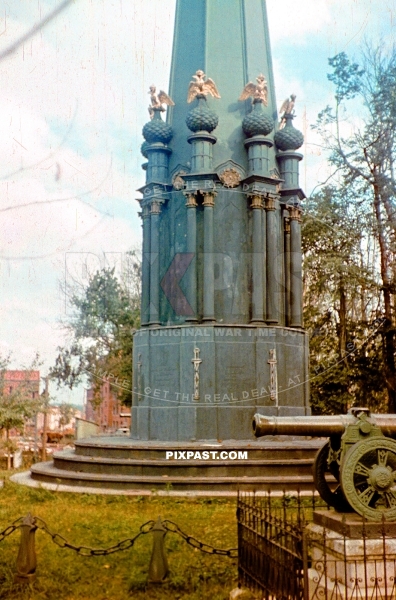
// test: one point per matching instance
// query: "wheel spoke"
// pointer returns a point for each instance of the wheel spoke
(390, 498)
(362, 470)
(367, 495)
(382, 457)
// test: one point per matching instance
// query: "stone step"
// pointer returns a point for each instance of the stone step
(123, 464)
(46, 472)
(69, 461)
(263, 449)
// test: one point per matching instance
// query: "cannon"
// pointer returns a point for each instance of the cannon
(360, 454)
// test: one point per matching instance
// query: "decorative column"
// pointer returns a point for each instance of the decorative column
(208, 267)
(272, 274)
(264, 252)
(289, 170)
(286, 221)
(157, 134)
(296, 290)
(257, 260)
(191, 274)
(256, 126)
(288, 139)
(158, 161)
(146, 251)
(201, 120)
(154, 262)
(201, 152)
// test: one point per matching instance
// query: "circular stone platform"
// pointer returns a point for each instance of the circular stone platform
(123, 466)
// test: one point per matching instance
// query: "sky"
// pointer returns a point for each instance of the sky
(73, 100)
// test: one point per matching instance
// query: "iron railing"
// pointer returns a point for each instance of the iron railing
(270, 543)
(285, 552)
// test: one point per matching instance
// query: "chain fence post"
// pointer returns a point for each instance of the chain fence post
(26, 561)
(158, 569)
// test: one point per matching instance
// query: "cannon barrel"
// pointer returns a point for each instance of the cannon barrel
(317, 426)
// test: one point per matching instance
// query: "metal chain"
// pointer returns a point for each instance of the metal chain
(11, 528)
(174, 528)
(60, 541)
(170, 526)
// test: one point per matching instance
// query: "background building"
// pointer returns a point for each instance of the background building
(18, 379)
(110, 414)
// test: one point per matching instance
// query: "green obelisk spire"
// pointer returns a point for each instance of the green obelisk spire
(222, 334)
(229, 41)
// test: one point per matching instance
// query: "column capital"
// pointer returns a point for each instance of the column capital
(295, 213)
(256, 200)
(191, 199)
(209, 197)
(155, 207)
(270, 201)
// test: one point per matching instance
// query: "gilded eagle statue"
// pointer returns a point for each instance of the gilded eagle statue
(287, 108)
(157, 100)
(258, 91)
(201, 87)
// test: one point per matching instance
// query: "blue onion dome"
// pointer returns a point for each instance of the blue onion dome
(157, 130)
(256, 122)
(143, 149)
(289, 138)
(202, 118)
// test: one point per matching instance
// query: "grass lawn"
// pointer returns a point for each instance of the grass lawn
(102, 521)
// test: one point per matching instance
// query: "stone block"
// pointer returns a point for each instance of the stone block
(363, 567)
(206, 425)
(187, 419)
(140, 422)
(235, 422)
(163, 423)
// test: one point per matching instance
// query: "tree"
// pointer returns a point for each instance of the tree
(365, 107)
(66, 414)
(340, 303)
(101, 330)
(16, 405)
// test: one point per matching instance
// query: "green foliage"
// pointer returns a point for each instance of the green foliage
(106, 313)
(340, 304)
(66, 413)
(359, 133)
(346, 77)
(17, 404)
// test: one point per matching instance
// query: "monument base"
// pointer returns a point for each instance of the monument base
(351, 558)
(214, 468)
(205, 382)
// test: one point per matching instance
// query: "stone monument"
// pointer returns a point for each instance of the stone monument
(222, 333)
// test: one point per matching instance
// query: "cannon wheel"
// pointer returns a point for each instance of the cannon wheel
(334, 498)
(368, 478)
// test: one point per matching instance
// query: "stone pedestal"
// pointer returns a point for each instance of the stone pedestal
(205, 382)
(350, 558)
